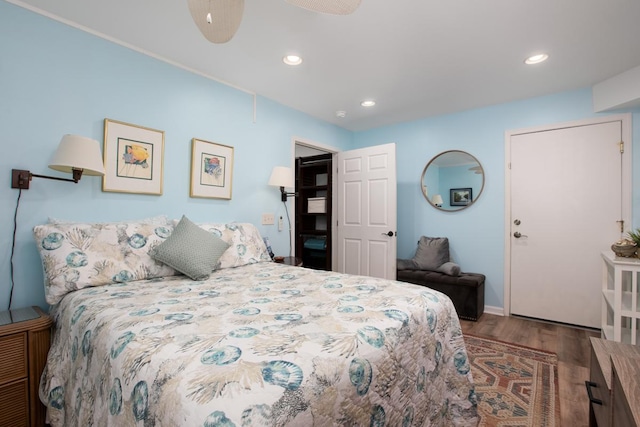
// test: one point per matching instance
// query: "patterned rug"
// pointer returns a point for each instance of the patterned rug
(515, 385)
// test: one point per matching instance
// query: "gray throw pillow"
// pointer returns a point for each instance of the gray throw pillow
(406, 264)
(432, 252)
(449, 268)
(191, 250)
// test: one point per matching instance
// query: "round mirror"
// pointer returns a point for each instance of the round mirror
(452, 180)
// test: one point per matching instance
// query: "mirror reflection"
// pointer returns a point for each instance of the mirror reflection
(452, 180)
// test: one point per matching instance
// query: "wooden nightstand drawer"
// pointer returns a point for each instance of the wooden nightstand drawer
(13, 358)
(625, 391)
(25, 337)
(599, 391)
(14, 404)
(612, 410)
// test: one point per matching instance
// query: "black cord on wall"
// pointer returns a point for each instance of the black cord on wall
(288, 221)
(13, 247)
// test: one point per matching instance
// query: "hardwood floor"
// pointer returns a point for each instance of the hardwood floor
(570, 344)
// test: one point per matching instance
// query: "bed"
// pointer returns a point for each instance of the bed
(255, 344)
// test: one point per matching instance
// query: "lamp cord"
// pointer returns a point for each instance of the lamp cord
(13, 246)
(286, 209)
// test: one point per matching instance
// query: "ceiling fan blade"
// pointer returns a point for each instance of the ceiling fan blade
(217, 20)
(333, 7)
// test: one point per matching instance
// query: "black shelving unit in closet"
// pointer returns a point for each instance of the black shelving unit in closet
(313, 211)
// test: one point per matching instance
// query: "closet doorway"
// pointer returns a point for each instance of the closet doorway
(314, 207)
(361, 208)
(314, 183)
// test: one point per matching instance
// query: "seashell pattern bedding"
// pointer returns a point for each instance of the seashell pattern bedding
(263, 344)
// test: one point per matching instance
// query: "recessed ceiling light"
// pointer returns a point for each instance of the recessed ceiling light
(536, 59)
(368, 103)
(292, 60)
(341, 114)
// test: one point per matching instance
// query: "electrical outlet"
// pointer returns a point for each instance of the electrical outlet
(268, 219)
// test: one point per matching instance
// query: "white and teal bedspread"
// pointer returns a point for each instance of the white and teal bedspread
(260, 345)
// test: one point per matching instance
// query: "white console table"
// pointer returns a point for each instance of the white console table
(620, 299)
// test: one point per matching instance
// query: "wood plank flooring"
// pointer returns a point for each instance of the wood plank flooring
(570, 344)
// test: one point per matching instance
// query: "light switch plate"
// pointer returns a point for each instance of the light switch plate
(268, 219)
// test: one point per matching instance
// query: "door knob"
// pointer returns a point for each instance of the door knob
(518, 235)
(389, 233)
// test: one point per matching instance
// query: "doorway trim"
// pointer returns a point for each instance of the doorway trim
(334, 208)
(626, 122)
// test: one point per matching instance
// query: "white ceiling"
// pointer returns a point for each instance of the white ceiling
(416, 58)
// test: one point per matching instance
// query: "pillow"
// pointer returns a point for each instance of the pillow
(449, 268)
(80, 255)
(246, 244)
(406, 264)
(191, 250)
(432, 252)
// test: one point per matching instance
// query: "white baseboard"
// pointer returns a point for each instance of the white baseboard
(498, 311)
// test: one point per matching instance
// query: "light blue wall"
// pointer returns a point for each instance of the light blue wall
(55, 79)
(476, 234)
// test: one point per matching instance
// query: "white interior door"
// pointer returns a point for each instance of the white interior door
(367, 211)
(566, 203)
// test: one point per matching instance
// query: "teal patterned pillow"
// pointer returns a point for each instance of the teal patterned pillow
(191, 250)
(247, 246)
(79, 255)
(245, 241)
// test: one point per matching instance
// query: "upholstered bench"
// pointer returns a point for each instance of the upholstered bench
(466, 290)
(432, 267)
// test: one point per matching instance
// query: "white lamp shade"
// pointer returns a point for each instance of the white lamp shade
(281, 176)
(78, 152)
(437, 199)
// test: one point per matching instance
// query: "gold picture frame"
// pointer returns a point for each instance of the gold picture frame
(211, 170)
(133, 158)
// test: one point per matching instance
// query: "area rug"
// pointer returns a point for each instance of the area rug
(515, 385)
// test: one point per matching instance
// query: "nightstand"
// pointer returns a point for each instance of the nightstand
(613, 389)
(625, 391)
(25, 336)
(290, 260)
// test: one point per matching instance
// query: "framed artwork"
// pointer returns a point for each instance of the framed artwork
(460, 196)
(133, 157)
(211, 170)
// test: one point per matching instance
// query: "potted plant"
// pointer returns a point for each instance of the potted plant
(634, 235)
(627, 247)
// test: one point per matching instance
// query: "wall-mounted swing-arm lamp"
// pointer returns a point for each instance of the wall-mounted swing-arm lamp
(75, 154)
(282, 177)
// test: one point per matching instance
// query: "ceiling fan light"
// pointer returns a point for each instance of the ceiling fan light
(292, 60)
(332, 7)
(536, 59)
(217, 20)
